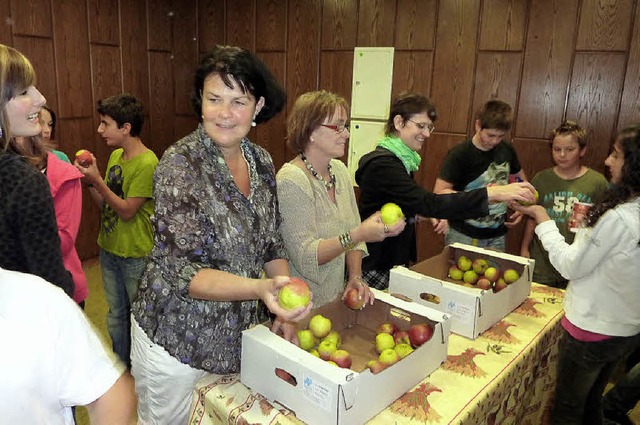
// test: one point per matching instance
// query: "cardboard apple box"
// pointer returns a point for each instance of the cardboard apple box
(321, 393)
(473, 310)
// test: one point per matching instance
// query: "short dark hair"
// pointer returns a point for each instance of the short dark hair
(408, 104)
(572, 128)
(495, 114)
(53, 121)
(235, 64)
(123, 108)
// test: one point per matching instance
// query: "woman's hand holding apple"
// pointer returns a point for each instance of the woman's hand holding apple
(374, 230)
(267, 290)
(363, 289)
(522, 191)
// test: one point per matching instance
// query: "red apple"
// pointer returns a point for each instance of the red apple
(386, 327)
(484, 283)
(500, 285)
(375, 366)
(285, 376)
(419, 334)
(84, 157)
(342, 358)
(294, 294)
(401, 337)
(353, 300)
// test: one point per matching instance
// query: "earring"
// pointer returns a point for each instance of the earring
(253, 123)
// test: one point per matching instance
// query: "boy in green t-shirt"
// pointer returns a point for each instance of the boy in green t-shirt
(126, 204)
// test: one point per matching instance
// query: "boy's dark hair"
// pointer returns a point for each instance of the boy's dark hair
(123, 108)
(629, 185)
(572, 128)
(234, 64)
(495, 114)
(53, 121)
(408, 104)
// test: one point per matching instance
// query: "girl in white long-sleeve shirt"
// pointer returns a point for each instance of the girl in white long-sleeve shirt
(602, 303)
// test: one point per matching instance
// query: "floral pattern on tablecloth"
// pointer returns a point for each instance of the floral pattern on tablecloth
(505, 376)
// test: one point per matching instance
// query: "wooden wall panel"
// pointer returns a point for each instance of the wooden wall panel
(503, 24)
(534, 154)
(303, 46)
(412, 71)
(39, 51)
(415, 24)
(454, 63)
(184, 125)
(271, 25)
(159, 23)
(547, 66)
(336, 73)
(162, 104)
(375, 23)
(594, 96)
(497, 77)
(185, 56)
(271, 135)
(604, 25)
(6, 34)
(31, 17)
(339, 29)
(630, 106)
(241, 17)
(211, 23)
(73, 65)
(104, 22)
(135, 61)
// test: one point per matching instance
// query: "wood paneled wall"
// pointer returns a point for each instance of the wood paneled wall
(551, 59)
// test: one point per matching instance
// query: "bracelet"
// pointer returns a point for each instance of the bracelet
(346, 242)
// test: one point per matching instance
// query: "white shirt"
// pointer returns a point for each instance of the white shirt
(603, 266)
(50, 357)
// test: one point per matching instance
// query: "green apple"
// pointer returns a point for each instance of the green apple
(403, 350)
(464, 263)
(470, 277)
(375, 366)
(325, 348)
(334, 337)
(492, 274)
(480, 265)
(510, 276)
(294, 294)
(314, 352)
(526, 204)
(390, 214)
(455, 273)
(306, 339)
(389, 357)
(342, 358)
(384, 341)
(320, 326)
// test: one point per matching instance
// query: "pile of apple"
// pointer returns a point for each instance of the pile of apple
(323, 342)
(394, 344)
(480, 274)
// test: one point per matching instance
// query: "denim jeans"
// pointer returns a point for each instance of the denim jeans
(495, 243)
(584, 368)
(623, 397)
(120, 278)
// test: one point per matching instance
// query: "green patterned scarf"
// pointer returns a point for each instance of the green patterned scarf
(409, 158)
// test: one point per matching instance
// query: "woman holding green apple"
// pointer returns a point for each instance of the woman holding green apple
(386, 175)
(321, 226)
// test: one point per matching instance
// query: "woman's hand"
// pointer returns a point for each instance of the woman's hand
(522, 191)
(440, 225)
(268, 293)
(287, 330)
(537, 212)
(363, 290)
(374, 230)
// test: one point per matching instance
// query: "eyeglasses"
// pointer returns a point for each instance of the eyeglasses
(337, 128)
(422, 126)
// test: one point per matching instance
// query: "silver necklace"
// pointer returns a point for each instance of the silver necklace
(332, 177)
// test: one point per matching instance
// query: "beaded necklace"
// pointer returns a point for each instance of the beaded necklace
(332, 177)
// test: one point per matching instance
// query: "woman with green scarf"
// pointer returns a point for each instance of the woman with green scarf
(386, 175)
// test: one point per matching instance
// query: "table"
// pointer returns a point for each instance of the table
(505, 376)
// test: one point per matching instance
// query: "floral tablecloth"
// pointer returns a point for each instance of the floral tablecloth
(505, 376)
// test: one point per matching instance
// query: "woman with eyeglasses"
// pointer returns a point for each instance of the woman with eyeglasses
(386, 175)
(321, 226)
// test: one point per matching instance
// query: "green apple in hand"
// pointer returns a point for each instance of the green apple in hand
(390, 214)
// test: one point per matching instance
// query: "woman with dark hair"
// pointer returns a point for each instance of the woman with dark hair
(320, 222)
(216, 226)
(386, 175)
(602, 318)
(29, 239)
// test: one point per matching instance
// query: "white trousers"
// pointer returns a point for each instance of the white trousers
(164, 385)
